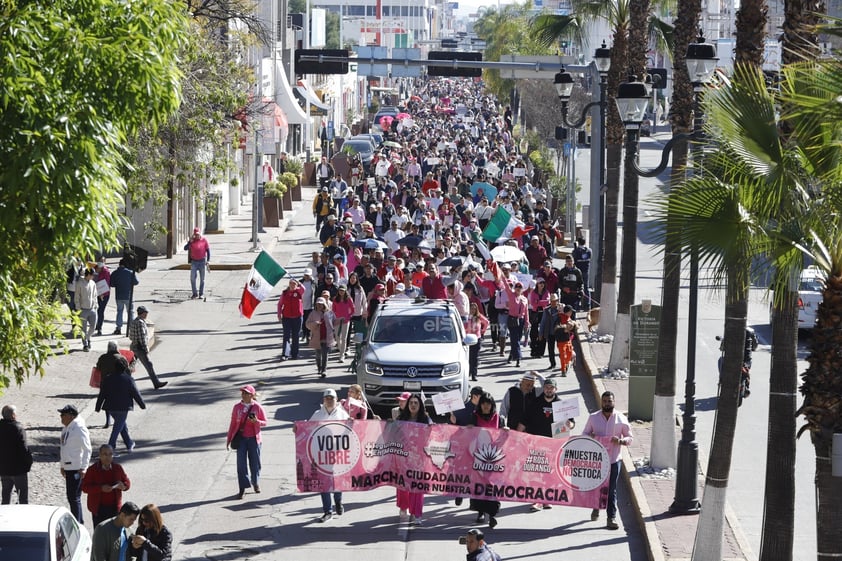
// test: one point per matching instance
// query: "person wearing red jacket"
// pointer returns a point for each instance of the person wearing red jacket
(433, 285)
(290, 314)
(391, 274)
(104, 482)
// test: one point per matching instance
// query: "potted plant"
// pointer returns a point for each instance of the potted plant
(289, 181)
(296, 167)
(273, 192)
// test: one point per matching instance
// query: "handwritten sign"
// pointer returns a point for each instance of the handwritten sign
(565, 409)
(448, 401)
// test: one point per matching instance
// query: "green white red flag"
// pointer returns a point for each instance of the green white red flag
(503, 226)
(264, 275)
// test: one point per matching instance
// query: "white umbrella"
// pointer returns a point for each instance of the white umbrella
(506, 254)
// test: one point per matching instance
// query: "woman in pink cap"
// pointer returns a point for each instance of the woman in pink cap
(247, 418)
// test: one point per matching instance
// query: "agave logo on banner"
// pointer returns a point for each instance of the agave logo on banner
(583, 463)
(334, 448)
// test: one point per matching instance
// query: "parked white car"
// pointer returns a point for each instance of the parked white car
(42, 533)
(809, 296)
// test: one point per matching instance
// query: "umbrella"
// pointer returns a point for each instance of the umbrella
(414, 98)
(412, 241)
(370, 243)
(506, 254)
(402, 116)
(488, 190)
(455, 261)
(392, 144)
(386, 121)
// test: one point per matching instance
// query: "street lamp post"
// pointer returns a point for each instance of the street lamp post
(632, 100)
(564, 88)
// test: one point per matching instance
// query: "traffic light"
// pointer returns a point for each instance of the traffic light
(561, 133)
(448, 70)
(316, 67)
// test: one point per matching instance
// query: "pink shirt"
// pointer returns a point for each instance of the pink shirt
(238, 417)
(343, 309)
(615, 425)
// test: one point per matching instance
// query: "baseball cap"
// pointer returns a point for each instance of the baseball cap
(380, 286)
(248, 388)
(329, 393)
(400, 287)
(321, 301)
(550, 382)
(528, 376)
(69, 409)
(404, 396)
(324, 189)
(505, 266)
(112, 346)
(331, 217)
(196, 231)
(141, 310)
(308, 273)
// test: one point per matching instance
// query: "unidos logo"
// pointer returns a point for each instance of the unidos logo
(487, 457)
(334, 448)
(583, 463)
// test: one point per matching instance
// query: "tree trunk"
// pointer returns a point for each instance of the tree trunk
(777, 533)
(751, 32)
(709, 532)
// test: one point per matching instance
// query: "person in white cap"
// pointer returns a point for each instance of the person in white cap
(330, 411)
(320, 324)
(400, 292)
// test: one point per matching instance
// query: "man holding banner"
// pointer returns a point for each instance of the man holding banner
(609, 423)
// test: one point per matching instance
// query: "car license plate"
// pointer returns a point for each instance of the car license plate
(412, 385)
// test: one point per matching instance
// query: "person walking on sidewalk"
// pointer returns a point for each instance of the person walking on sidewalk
(546, 331)
(152, 540)
(519, 398)
(16, 460)
(102, 274)
(111, 539)
(123, 280)
(247, 418)
(478, 550)
(409, 501)
(290, 314)
(139, 336)
(86, 303)
(539, 419)
(330, 411)
(75, 452)
(198, 253)
(565, 332)
(610, 423)
(117, 394)
(104, 482)
(477, 324)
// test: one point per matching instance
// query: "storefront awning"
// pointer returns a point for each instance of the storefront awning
(307, 95)
(286, 100)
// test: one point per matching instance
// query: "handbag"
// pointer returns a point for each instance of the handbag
(96, 377)
(238, 436)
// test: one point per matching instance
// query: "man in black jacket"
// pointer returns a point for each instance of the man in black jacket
(16, 460)
(519, 399)
(117, 394)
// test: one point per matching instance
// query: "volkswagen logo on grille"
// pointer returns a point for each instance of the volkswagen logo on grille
(412, 372)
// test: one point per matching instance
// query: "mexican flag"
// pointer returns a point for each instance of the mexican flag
(503, 226)
(480, 245)
(264, 275)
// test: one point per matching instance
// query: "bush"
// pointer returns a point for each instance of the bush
(294, 166)
(288, 180)
(274, 189)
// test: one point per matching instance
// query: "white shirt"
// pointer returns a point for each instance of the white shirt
(392, 237)
(338, 413)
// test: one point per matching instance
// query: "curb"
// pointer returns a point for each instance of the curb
(643, 513)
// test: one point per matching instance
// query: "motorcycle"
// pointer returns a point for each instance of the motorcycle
(745, 371)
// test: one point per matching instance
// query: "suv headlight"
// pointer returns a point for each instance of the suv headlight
(373, 368)
(452, 368)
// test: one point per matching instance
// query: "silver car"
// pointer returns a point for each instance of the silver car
(418, 346)
(42, 533)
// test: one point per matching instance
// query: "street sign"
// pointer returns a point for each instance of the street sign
(316, 67)
(643, 358)
(401, 71)
(555, 61)
(366, 68)
(449, 70)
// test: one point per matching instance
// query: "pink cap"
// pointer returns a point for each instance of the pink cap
(248, 388)
(404, 396)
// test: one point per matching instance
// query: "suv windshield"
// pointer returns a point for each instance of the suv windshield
(414, 329)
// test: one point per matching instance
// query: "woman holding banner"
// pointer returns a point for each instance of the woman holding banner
(409, 501)
(486, 416)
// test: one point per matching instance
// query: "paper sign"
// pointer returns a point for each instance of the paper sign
(565, 409)
(356, 403)
(525, 279)
(520, 172)
(448, 401)
(561, 430)
(102, 287)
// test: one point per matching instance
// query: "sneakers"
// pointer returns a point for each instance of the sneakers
(86, 348)
(322, 374)
(339, 509)
(480, 518)
(594, 515)
(415, 520)
(612, 524)
(99, 332)
(326, 516)
(193, 297)
(161, 385)
(536, 507)
(117, 331)
(256, 488)
(547, 507)
(458, 501)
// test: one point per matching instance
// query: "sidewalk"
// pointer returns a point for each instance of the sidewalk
(668, 537)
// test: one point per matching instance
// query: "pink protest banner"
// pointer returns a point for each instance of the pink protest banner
(474, 462)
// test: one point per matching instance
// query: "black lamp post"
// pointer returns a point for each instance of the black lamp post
(701, 62)
(564, 88)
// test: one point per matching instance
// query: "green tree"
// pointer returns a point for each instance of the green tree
(80, 77)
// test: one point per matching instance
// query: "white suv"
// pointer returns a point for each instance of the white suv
(416, 346)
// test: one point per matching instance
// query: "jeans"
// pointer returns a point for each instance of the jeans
(198, 266)
(305, 332)
(613, 478)
(292, 331)
(321, 357)
(120, 428)
(89, 318)
(551, 350)
(100, 311)
(515, 333)
(143, 357)
(121, 305)
(249, 450)
(341, 335)
(19, 482)
(503, 324)
(73, 486)
(337, 500)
